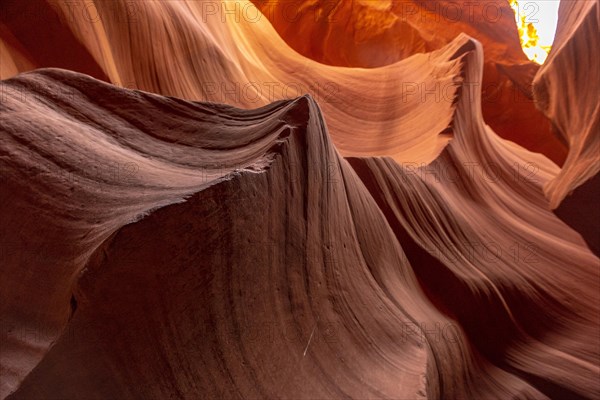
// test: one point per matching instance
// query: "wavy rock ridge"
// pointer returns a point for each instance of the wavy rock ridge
(244, 62)
(147, 238)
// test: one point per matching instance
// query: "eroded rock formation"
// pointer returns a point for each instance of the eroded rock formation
(365, 33)
(228, 52)
(366, 243)
(565, 89)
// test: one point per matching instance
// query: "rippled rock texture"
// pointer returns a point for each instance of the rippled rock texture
(246, 221)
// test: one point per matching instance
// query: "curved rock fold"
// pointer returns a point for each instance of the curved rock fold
(363, 233)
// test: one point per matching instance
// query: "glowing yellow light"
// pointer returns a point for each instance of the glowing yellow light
(529, 20)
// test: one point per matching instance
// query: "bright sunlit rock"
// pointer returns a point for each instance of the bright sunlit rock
(536, 21)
